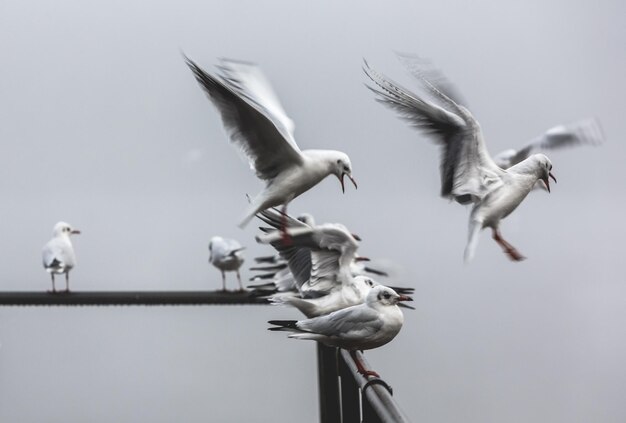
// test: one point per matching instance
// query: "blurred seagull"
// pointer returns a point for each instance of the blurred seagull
(227, 256)
(468, 173)
(361, 327)
(259, 126)
(58, 254)
(320, 259)
(583, 132)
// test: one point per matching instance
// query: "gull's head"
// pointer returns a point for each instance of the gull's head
(384, 296)
(64, 229)
(364, 284)
(214, 241)
(340, 167)
(545, 169)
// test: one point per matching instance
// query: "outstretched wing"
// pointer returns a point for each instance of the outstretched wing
(467, 171)
(252, 115)
(582, 132)
(331, 248)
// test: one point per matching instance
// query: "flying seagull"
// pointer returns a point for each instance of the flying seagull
(258, 125)
(468, 173)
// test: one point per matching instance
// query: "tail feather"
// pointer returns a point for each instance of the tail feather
(288, 325)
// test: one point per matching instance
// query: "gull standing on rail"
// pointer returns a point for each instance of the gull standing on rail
(227, 256)
(58, 254)
(468, 173)
(361, 327)
(257, 123)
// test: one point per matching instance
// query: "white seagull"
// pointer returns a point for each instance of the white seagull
(227, 256)
(468, 173)
(369, 325)
(257, 123)
(58, 253)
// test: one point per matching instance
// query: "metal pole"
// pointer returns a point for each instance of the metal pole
(378, 403)
(328, 383)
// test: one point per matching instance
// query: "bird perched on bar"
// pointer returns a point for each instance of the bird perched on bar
(258, 125)
(369, 325)
(227, 256)
(468, 173)
(58, 253)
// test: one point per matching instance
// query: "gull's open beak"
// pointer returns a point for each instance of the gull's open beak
(546, 181)
(75, 232)
(343, 188)
(404, 298)
(361, 258)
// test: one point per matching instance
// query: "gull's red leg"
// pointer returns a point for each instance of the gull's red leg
(509, 250)
(360, 368)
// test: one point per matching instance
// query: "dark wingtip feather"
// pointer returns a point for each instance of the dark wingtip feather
(283, 324)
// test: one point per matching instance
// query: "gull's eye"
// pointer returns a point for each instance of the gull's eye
(338, 161)
(386, 295)
(346, 169)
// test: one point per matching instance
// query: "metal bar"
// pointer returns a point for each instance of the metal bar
(375, 396)
(350, 395)
(328, 384)
(114, 298)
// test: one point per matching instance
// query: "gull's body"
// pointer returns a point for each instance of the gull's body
(227, 256)
(259, 126)
(58, 254)
(468, 173)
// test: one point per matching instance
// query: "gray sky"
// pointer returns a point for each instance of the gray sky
(102, 125)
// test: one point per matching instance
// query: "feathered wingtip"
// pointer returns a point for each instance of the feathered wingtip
(283, 325)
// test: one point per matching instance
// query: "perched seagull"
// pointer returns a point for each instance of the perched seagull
(58, 254)
(259, 126)
(361, 327)
(583, 132)
(227, 256)
(468, 173)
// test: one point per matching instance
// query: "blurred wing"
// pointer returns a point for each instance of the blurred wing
(467, 171)
(330, 248)
(422, 68)
(583, 132)
(253, 117)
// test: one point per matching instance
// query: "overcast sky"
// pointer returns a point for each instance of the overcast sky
(102, 125)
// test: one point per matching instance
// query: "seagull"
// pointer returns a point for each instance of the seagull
(257, 123)
(58, 253)
(369, 325)
(320, 260)
(227, 256)
(468, 173)
(582, 132)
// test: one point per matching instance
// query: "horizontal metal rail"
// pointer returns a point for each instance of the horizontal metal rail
(117, 298)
